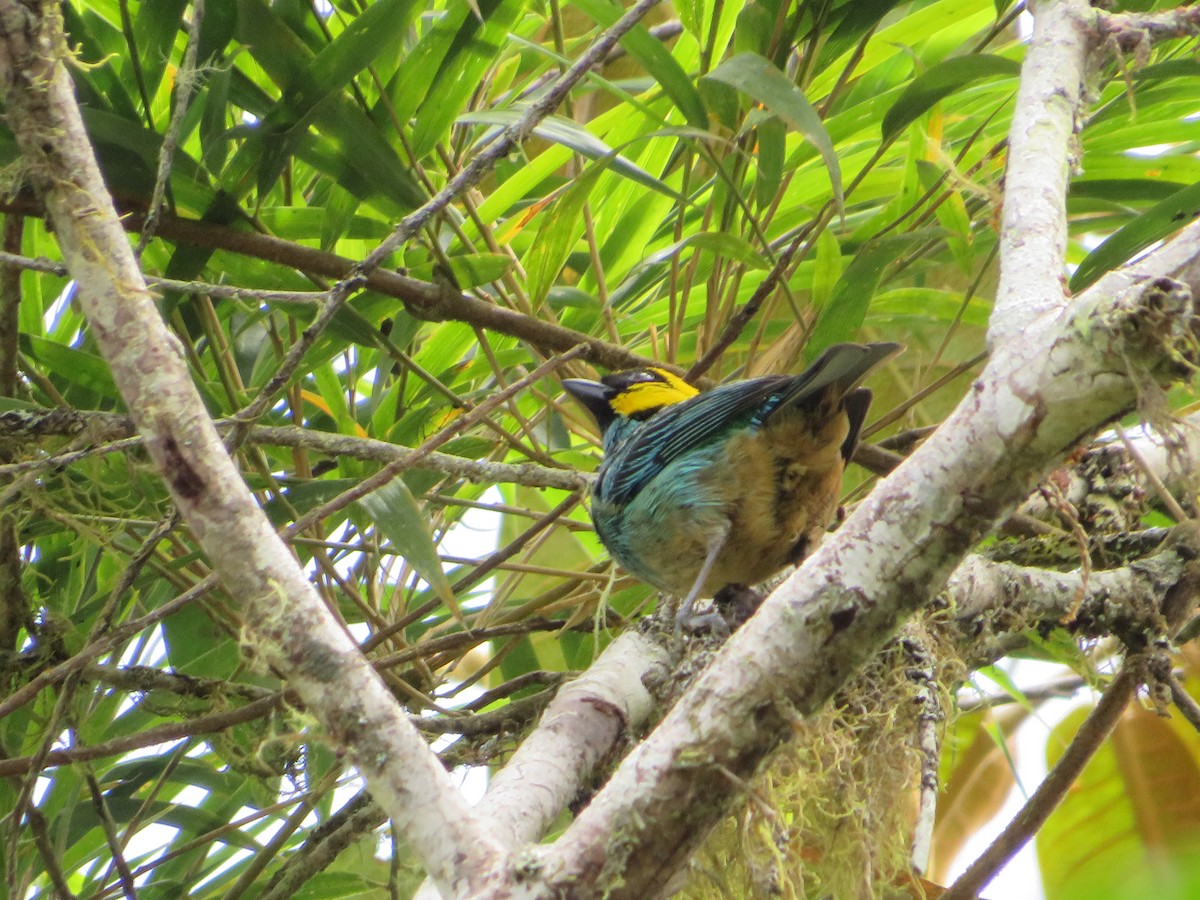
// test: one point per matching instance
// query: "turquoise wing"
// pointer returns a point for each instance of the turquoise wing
(636, 457)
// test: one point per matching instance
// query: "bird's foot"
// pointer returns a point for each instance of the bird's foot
(689, 620)
(737, 603)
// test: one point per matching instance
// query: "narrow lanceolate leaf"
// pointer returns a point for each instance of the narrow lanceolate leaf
(941, 81)
(841, 317)
(466, 63)
(758, 79)
(398, 516)
(827, 269)
(657, 60)
(1154, 224)
(380, 28)
(156, 27)
(772, 150)
(560, 228)
(575, 137)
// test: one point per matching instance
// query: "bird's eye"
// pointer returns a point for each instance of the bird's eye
(623, 381)
(642, 392)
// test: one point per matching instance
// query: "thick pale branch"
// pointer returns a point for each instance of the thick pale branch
(1033, 236)
(1035, 400)
(290, 624)
(580, 727)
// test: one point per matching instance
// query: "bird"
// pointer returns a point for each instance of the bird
(702, 492)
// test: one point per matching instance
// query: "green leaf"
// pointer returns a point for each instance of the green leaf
(761, 81)
(557, 234)
(1124, 190)
(215, 101)
(941, 81)
(567, 133)
(475, 269)
(857, 18)
(1130, 826)
(840, 318)
(772, 150)
(396, 513)
(731, 246)
(155, 29)
(657, 60)
(378, 29)
(351, 144)
(84, 369)
(927, 305)
(1153, 225)
(1004, 681)
(470, 55)
(653, 268)
(828, 268)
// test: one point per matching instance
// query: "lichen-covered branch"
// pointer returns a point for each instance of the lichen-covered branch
(290, 625)
(580, 727)
(20, 425)
(1033, 236)
(997, 604)
(1134, 32)
(1037, 398)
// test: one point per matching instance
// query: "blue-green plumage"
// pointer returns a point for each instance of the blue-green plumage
(700, 491)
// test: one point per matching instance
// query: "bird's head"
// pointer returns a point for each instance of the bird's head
(633, 394)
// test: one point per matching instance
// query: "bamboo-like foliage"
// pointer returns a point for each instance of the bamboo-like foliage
(736, 187)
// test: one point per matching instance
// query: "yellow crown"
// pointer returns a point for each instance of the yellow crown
(642, 396)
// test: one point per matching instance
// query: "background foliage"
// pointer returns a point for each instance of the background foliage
(862, 141)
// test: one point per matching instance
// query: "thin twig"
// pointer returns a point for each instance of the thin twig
(358, 818)
(750, 308)
(1184, 702)
(929, 718)
(514, 547)
(1099, 723)
(1173, 507)
(508, 140)
(172, 731)
(111, 836)
(49, 854)
(429, 302)
(468, 176)
(185, 82)
(422, 453)
(96, 649)
(107, 431)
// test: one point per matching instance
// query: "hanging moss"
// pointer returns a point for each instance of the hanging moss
(832, 815)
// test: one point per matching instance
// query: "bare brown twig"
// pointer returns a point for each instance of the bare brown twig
(422, 300)
(1099, 723)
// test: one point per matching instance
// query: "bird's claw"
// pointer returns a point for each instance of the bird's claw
(693, 622)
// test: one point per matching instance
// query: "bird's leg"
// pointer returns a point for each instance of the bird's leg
(686, 617)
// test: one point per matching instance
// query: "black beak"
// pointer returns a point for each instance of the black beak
(595, 397)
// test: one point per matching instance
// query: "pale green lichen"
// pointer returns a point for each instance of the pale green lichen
(832, 814)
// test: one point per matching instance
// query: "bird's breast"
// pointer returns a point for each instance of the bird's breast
(783, 482)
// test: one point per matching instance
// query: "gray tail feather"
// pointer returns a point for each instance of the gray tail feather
(843, 366)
